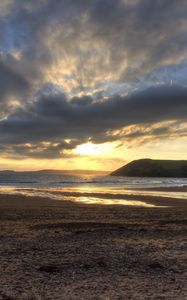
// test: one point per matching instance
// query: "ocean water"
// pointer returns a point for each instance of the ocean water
(89, 188)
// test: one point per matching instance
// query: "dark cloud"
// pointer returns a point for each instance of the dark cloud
(54, 119)
(11, 83)
(39, 151)
(54, 49)
(145, 34)
(127, 39)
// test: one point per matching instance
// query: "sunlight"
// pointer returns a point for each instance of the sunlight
(93, 149)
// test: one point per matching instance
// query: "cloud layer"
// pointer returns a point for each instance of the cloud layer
(73, 71)
(44, 126)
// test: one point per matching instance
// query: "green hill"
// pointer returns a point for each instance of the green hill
(153, 168)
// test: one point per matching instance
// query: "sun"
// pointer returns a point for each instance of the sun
(89, 149)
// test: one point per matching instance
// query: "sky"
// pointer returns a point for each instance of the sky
(92, 84)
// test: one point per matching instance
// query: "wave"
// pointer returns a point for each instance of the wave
(125, 183)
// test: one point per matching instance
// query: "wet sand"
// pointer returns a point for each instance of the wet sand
(62, 250)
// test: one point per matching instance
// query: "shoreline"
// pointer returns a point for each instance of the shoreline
(99, 197)
(53, 249)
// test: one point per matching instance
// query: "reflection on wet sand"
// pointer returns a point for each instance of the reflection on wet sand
(170, 192)
(90, 195)
(94, 200)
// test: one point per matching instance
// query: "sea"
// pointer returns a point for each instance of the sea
(91, 188)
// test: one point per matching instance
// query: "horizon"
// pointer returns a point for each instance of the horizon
(92, 85)
(55, 170)
(87, 170)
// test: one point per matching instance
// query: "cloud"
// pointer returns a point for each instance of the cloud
(11, 82)
(53, 119)
(80, 70)
(80, 44)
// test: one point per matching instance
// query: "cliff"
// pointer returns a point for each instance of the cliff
(153, 168)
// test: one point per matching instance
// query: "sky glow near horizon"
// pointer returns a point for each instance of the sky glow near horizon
(92, 84)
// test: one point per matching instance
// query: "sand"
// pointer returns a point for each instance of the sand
(62, 250)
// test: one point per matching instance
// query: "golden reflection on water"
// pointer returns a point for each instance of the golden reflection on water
(95, 189)
(127, 191)
(86, 199)
(94, 200)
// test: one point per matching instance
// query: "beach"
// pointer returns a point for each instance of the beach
(53, 249)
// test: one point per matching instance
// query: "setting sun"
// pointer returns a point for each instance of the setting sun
(94, 149)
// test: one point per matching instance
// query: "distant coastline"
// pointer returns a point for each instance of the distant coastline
(53, 171)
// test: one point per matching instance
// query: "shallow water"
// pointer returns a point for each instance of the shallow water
(90, 189)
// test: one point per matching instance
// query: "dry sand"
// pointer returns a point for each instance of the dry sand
(61, 250)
